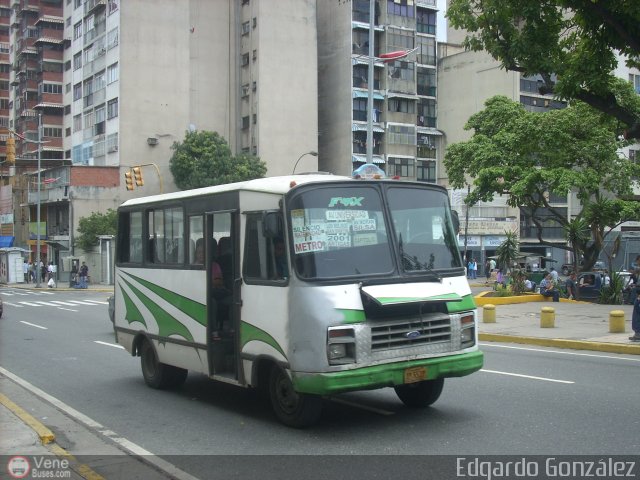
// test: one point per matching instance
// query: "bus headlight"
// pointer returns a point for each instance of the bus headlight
(341, 345)
(467, 330)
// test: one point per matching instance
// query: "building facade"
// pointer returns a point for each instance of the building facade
(406, 137)
(115, 84)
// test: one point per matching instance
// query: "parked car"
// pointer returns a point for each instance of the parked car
(1, 307)
(567, 268)
(590, 284)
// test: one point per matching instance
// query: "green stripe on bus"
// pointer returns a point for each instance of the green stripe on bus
(353, 316)
(445, 297)
(189, 307)
(250, 332)
(167, 324)
(467, 303)
(132, 314)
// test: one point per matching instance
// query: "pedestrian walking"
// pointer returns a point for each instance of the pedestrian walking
(635, 320)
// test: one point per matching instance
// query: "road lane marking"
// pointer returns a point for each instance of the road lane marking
(125, 444)
(14, 305)
(34, 325)
(108, 344)
(46, 304)
(31, 304)
(63, 303)
(97, 302)
(531, 377)
(78, 302)
(560, 352)
(68, 309)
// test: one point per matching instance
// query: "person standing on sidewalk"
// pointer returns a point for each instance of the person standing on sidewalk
(635, 320)
(84, 274)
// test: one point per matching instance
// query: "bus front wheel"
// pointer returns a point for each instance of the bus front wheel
(421, 394)
(292, 408)
(159, 375)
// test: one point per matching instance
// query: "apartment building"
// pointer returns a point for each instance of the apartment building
(406, 137)
(130, 79)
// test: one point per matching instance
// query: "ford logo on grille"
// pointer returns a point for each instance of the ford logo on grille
(412, 334)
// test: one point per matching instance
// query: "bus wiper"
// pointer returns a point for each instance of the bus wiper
(411, 263)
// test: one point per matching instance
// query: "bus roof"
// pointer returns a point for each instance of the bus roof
(278, 185)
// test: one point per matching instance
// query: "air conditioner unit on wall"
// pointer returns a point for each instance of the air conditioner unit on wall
(152, 141)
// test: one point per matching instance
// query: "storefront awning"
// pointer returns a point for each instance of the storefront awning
(361, 94)
(361, 127)
(6, 241)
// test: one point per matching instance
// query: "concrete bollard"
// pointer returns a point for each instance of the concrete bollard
(547, 317)
(616, 321)
(489, 313)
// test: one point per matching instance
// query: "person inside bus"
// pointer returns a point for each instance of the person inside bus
(280, 258)
(221, 296)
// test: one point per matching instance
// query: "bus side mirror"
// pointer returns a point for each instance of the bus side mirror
(272, 225)
(456, 221)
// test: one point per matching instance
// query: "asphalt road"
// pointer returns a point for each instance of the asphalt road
(525, 400)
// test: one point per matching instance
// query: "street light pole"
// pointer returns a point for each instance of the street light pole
(38, 260)
(312, 153)
(370, 80)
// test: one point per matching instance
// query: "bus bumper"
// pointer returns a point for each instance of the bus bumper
(386, 375)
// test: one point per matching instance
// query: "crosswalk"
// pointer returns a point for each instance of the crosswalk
(29, 298)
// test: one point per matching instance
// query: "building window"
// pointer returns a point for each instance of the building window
(402, 134)
(67, 132)
(255, 55)
(402, 167)
(426, 54)
(360, 109)
(112, 38)
(426, 171)
(245, 59)
(77, 123)
(112, 108)
(77, 61)
(245, 122)
(112, 73)
(245, 90)
(52, 132)
(112, 142)
(67, 109)
(398, 39)
(77, 31)
(50, 88)
(401, 70)
(426, 22)
(255, 22)
(67, 88)
(402, 105)
(77, 91)
(426, 113)
(246, 28)
(402, 8)
(426, 82)
(77, 3)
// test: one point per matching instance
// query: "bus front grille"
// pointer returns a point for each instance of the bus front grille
(410, 333)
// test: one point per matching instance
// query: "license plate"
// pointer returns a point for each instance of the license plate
(415, 374)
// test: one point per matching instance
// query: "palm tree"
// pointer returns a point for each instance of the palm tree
(508, 251)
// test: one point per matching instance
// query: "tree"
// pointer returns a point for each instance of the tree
(96, 224)
(529, 156)
(204, 159)
(572, 44)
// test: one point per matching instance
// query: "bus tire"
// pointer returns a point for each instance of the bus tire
(292, 408)
(421, 394)
(159, 375)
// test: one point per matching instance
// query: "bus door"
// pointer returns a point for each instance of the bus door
(222, 293)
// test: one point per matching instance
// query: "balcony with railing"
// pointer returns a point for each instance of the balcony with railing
(95, 32)
(94, 6)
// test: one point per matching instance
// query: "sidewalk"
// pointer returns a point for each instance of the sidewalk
(39, 436)
(60, 287)
(578, 325)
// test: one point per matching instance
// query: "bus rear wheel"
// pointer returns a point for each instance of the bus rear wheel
(421, 394)
(292, 408)
(159, 375)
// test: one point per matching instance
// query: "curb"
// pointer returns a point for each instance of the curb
(46, 436)
(562, 343)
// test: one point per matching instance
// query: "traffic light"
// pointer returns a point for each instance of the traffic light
(137, 175)
(11, 151)
(128, 179)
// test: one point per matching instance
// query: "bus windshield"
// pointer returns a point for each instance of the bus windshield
(356, 230)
